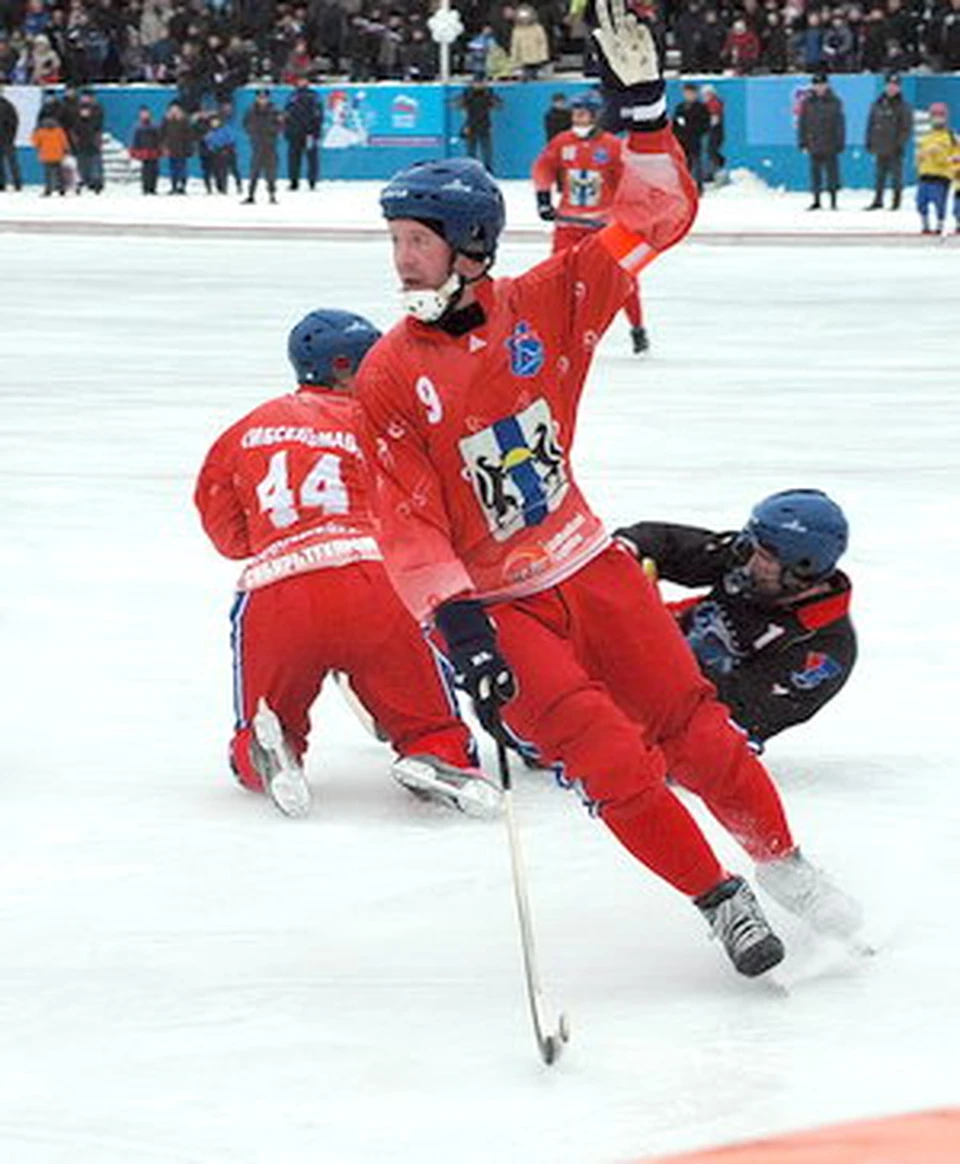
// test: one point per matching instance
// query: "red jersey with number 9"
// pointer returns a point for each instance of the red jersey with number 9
(287, 487)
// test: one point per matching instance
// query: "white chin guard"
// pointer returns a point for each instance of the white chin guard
(428, 304)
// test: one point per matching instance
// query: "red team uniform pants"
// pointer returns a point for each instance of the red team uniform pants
(609, 689)
(287, 636)
(565, 237)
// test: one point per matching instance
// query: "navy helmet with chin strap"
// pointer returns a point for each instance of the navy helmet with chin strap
(804, 529)
(456, 197)
(328, 344)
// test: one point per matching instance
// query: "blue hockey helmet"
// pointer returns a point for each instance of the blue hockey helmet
(804, 529)
(456, 197)
(328, 344)
(588, 100)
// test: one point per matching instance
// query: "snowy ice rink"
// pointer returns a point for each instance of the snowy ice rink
(188, 978)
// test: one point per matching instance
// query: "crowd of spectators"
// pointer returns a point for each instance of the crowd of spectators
(211, 47)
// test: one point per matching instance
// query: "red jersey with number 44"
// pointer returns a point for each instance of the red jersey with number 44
(287, 487)
(587, 170)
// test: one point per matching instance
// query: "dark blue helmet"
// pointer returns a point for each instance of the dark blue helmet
(803, 529)
(588, 100)
(456, 196)
(327, 344)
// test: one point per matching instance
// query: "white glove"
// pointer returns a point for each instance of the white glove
(627, 44)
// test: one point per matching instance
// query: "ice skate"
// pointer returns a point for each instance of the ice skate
(736, 918)
(282, 774)
(640, 339)
(466, 789)
(802, 889)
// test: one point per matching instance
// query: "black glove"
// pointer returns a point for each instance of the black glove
(545, 206)
(479, 668)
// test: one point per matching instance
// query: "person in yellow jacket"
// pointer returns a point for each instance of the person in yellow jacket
(50, 142)
(937, 169)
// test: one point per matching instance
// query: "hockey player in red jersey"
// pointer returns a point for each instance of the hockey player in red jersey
(586, 164)
(287, 487)
(469, 410)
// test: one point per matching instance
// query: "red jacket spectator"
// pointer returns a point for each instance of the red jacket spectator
(741, 50)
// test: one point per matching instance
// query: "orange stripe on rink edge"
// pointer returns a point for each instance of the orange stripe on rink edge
(923, 1138)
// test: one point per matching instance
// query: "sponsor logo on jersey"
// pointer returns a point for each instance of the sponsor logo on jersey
(517, 469)
(817, 668)
(526, 350)
(601, 156)
(713, 640)
(584, 188)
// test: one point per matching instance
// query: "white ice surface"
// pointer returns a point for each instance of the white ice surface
(187, 977)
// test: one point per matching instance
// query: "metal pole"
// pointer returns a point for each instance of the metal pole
(445, 49)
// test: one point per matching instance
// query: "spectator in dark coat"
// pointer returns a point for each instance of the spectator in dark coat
(9, 124)
(874, 48)
(889, 127)
(838, 46)
(715, 111)
(200, 126)
(713, 36)
(558, 117)
(303, 119)
(176, 136)
(687, 30)
(821, 133)
(478, 102)
(419, 56)
(146, 148)
(691, 124)
(263, 122)
(774, 49)
(65, 108)
(86, 138)
(946, 37)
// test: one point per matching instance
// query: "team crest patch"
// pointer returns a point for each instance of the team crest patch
(817, 669)
(526, 350)
(713, 640)
(517, 469)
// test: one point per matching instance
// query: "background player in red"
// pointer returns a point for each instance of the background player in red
(287, 487)
(586, 165)
(470, 408)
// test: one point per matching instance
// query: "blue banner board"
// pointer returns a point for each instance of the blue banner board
(371, 131)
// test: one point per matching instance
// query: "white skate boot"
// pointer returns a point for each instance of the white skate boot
(282, 774)
(808, 892)
(466, 789)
